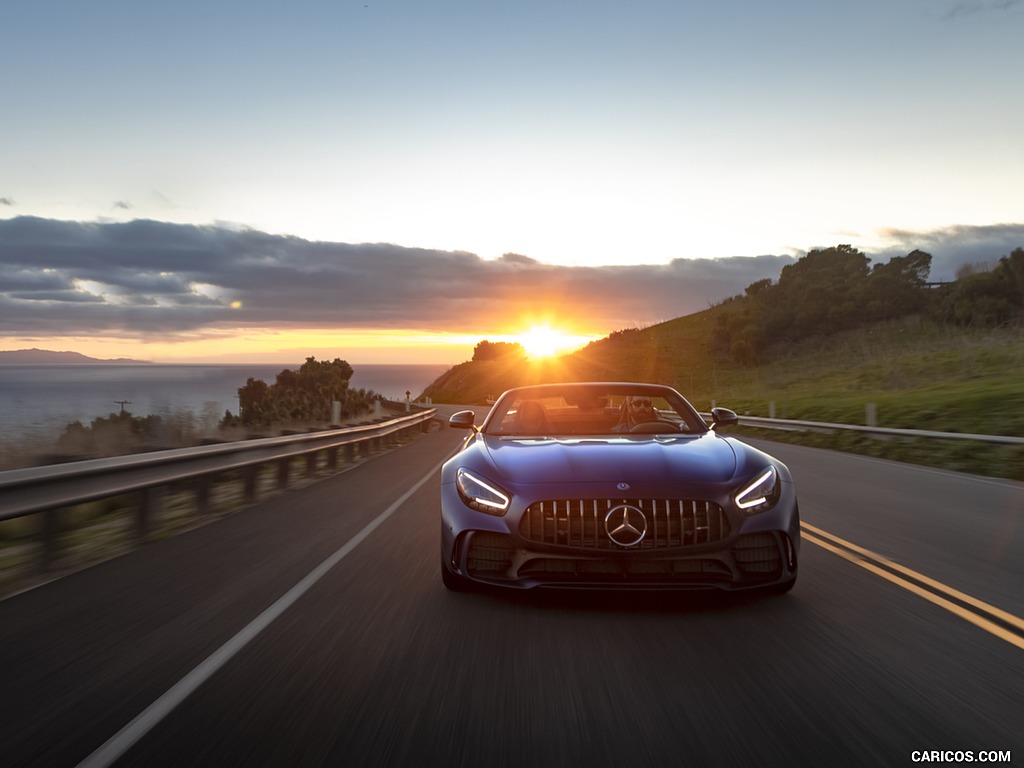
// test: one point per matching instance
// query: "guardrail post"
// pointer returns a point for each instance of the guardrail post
(350, 452)
(203, 495)
(250, 478)
(50, 536)
(332, 459)
(150, 505)
(311, 463)
(283, 468)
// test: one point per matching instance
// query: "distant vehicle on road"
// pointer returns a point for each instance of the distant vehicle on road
(613, 486)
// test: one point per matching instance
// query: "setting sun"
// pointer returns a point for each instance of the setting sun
(544, 341)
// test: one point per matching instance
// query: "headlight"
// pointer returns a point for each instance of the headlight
(759, 494)
(480, 495)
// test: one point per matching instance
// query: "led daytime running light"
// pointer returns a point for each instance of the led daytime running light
(757, 493)
(481, 493)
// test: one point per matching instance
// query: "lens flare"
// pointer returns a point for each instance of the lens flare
(544, 341)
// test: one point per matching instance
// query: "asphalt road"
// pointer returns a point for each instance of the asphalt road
(214, 648)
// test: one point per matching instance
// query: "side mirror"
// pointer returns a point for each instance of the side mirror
(462, 420)
(723, 417)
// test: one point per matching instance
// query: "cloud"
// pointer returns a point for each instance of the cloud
(6, 201)
(952, 247)
(974, 7)
(517, 258)
(149, 279)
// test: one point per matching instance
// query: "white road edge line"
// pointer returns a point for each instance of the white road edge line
(128, 736)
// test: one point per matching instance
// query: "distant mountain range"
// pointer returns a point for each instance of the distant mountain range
(48, 357)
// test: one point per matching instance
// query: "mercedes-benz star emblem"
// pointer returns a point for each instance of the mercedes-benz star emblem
(623, 486)
(625, 525)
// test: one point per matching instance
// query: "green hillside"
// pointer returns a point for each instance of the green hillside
(920, 370)
(920, 375)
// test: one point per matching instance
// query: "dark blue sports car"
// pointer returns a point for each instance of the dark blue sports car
(613, 486)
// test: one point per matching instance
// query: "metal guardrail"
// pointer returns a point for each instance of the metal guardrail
(796, 425)
(144, 481)
(38, 489)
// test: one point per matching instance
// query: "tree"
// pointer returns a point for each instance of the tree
(985, 300)
(1014, 267)
(303, 396)
(899, 287)
(254, 402)
(820, 293)
(324, 382)
(760, 288)
(487, 350)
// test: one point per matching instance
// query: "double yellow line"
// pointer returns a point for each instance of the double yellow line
(993, 620)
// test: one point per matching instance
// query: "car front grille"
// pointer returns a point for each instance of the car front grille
(580, 523)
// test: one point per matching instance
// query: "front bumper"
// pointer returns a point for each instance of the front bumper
(739, 553)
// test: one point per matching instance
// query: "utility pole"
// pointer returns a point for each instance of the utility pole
(122, 403)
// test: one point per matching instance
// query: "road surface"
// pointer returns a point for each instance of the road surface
(312, 629)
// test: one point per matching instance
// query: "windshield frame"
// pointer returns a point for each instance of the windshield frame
(611, 393)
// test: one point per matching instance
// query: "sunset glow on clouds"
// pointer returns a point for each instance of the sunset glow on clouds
(638, 142)
(171, 292)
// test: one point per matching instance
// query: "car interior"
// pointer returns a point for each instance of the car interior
(588, 415)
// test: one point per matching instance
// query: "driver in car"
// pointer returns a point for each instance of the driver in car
(635, 409)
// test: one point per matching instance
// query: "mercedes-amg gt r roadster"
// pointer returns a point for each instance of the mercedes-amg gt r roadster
(613, 486)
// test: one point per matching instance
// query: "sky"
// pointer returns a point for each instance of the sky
(396, 180)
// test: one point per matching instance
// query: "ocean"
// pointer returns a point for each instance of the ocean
(38, 401)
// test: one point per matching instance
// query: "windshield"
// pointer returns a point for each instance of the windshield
(592, 410)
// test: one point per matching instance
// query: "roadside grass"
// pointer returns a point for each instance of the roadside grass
(994, 408)
(915, 375)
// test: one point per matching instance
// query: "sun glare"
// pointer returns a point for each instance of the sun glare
(544, 341)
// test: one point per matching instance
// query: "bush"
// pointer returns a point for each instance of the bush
(305, 396)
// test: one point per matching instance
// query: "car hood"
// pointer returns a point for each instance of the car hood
(706, 458)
